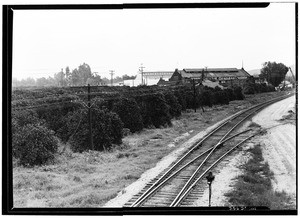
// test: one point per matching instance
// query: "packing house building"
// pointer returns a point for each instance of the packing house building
(225, 76)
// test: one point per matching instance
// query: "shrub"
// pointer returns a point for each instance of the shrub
(250, 87)
(221, 97)
(24, 117)
(34, 145)
(181, 97)
(207, 98)
(174, 106)
(270, 88)
(230, 94)
(238, 92)
(154, 109)
(249, 90)
(20, 119)
(106, 130)
(54, 116)
(191, 103)
(130, 114)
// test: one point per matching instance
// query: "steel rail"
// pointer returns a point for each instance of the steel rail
(201, 176)
(163, 178)
(185, 155)
(142, 199)
(214, 148)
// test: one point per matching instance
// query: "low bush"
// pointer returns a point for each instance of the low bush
(154, 109)
(207, 98)
(174, 106)
(181, 97)
(107, 129)
(130, 114)
(34, 145)
(250, 87)
(238, 92)
(54, 116)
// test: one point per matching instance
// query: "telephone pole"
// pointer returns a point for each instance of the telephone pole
(90, 118)
(141, 69)
(111, 74)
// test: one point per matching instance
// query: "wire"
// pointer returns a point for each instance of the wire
(40, 106)
(77, 125)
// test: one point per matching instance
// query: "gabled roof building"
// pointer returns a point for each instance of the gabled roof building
(225, 76)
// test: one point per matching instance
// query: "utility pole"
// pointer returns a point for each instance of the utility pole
(194, 86)
(111, 74)
(90, 118)
(62, 77)
(141, 69)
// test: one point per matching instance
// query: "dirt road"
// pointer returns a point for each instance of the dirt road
(279, 142)
(279, 150)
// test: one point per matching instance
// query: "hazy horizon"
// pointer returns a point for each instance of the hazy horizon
(46, 41)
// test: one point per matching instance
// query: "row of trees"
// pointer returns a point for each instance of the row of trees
(36, 132)
(273, 72)
(80, 76)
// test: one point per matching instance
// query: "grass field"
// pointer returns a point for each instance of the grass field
(90, 179)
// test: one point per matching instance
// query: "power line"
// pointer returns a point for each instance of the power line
(41, 106)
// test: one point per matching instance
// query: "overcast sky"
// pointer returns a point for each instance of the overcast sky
(45, 41)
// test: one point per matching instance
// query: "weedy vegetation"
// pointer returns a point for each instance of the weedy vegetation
(254, 186)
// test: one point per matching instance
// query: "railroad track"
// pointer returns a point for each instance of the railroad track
(183, 182)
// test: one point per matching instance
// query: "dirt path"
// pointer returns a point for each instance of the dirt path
(279, 142)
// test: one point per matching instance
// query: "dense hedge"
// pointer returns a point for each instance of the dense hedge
(253, 88)
(106, 129)
(250, 87)
(114, 108)
(130, 114)
(55, 116)
(174, 106)
(181, 98)
(154, 110)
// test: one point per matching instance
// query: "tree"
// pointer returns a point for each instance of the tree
(60, 78)
(32, 142)
(84, 73)
(41, 81)
(34, 145)
(51, 81)
(106, 129)
(126, 77)
(273, 72)
(75, 78)
(27, 82)
(130, 114)
(68, 76)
